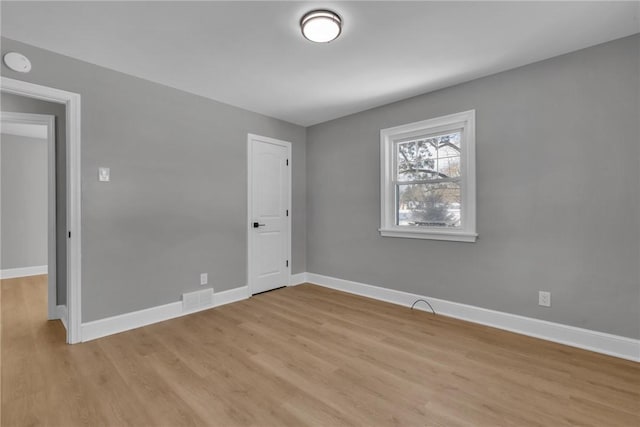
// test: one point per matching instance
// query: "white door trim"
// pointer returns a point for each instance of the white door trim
(48, 121)
(251, 137)
(74, 262)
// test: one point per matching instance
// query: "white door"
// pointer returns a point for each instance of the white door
(269, 213)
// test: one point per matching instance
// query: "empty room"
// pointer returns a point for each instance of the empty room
(362, 213)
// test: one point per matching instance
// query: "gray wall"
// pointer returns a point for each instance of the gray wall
(558, 194)
(24, 204)
(176, 203)
(558, 190)
(20, 104)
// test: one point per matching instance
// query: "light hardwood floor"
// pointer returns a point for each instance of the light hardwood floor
(301, 356)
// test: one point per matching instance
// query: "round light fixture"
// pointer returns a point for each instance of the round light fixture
(17, 62)
(321, 26)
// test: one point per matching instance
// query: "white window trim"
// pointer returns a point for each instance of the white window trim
(388, 228)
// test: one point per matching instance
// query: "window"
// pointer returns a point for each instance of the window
(428, 179)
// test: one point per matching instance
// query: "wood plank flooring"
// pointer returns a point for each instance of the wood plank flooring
(297, 357)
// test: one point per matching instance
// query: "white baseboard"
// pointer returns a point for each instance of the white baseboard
(124, 322)
(61, 313)
(298, 279)
(12, 273)
(600, 342)
(232, 295)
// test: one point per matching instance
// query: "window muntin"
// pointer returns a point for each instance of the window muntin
(427, 184)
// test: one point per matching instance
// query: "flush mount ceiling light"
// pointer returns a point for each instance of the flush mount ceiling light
(17, 62)
(321, 26)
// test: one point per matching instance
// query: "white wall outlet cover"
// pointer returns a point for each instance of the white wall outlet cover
(204, 278)
(17, 62)
(544, 299)
(104, 174)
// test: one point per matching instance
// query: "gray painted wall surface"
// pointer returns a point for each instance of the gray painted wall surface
(20, 104)
(558, 194)
(23, 173)
(176, 203)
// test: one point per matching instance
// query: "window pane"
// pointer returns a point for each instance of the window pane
(449, 167)
(416, 160)
(421, 159)
(428, 205)
(449, 144)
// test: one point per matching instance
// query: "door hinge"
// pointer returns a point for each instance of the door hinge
(287, 212)
(69, 234)
(287, 263)
(287, 162)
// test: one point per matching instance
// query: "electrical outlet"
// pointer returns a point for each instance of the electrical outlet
(204, 278)
(544, 298)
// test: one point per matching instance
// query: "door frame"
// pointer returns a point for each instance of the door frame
(74, 192)
(250, 235)
(48, 121)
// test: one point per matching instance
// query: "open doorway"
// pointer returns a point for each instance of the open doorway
(28, 201)
(25, 97)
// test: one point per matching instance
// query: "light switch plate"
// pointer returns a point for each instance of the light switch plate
(104, 174)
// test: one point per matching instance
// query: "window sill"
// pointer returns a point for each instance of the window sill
(454, 236)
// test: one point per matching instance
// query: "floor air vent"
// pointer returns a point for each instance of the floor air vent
(197, 300)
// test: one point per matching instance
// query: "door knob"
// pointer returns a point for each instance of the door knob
(256, 225)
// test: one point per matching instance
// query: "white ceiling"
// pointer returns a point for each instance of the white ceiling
(252, 55)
